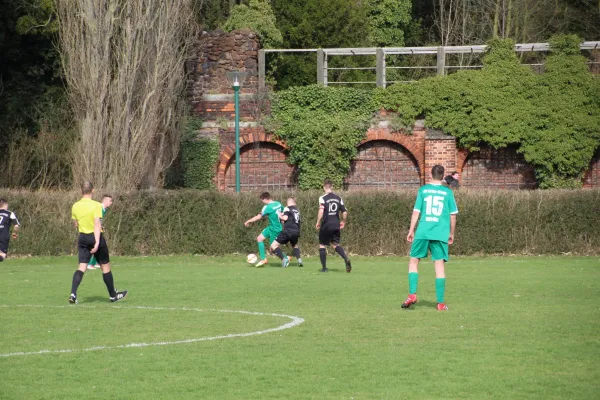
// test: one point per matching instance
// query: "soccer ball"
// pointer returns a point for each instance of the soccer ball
(252, 259)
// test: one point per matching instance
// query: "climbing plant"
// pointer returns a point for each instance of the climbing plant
(322, 127)
(553, 118)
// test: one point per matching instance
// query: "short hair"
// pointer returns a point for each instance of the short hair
(265, 196)
(3, 202)
(327, 184)
(87, 187)
(292, 199)
(107, 195)
(453, 173)
(437, 172)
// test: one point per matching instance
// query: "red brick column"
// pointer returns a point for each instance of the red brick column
(439, 149)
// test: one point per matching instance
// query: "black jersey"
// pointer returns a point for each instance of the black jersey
(7, 218)
(293, 219)
(332, 206)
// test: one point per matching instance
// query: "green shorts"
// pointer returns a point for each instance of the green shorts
(270, 234)
(420, 247)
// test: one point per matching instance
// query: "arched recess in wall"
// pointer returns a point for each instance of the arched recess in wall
(592, 175)
(497, 169)
(383, 164)
(263, 166)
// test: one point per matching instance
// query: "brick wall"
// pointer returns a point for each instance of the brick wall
(262, 166)
(497, 168)
(439, 149)
(383, 164)
(592, 176)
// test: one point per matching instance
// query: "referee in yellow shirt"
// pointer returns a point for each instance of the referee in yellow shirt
(86, 214)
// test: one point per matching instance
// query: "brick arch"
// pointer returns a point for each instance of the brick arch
(493, 168)
(227, 156)
(383, 164)
(414, 144)
(263, 166)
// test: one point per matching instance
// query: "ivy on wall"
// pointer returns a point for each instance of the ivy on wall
(199, 157)
(322, 127)
(553, 117)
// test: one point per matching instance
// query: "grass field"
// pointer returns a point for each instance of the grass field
(518, 328)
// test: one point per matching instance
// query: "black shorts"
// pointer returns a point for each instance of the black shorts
(4, 245)
(86, 243)
(288, 236)
(329, 234)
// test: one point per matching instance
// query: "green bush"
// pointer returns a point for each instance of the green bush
(211, 223)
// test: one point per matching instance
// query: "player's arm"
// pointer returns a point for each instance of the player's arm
(253, 219)
(97, 230)
(320, 217)
(452, 227)
(344, 214)
(413, 224)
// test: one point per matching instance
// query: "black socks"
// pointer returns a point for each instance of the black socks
(110, 284)
(77, 277)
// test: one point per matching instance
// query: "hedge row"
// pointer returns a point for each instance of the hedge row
(211, 223)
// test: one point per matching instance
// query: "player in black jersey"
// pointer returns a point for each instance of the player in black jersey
(7, 219)
(329, 225)
(290, 233)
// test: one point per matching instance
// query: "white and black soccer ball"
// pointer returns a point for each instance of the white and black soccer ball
(251, 258)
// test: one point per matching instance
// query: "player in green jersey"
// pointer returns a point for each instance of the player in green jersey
(272, 210)
(435, 211)
(107, 201)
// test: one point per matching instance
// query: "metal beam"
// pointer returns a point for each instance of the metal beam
(380, 68)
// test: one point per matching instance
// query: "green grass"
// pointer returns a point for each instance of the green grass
(518, 328)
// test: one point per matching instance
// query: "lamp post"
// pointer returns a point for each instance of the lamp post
(236, 78)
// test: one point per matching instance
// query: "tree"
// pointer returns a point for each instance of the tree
(124, 66)
(258, 16)
(388, 20)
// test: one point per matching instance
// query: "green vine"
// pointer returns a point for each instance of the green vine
(198, 157)
(553, 117)
(322, 127)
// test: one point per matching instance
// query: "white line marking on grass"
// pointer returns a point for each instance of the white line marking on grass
(295, 321)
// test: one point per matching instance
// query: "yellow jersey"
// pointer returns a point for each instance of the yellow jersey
(84, 212)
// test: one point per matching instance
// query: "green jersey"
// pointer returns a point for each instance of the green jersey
(271, 211)
(435, 203)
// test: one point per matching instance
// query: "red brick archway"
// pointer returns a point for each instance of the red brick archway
(383, 164)
(256, 148)
(414, 144)
(497, 168)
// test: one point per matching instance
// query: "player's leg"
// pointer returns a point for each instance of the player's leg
(3, 250)
(103, 257)
(84, 245)
(296, 249)
(260, 240)
(275, 246)
(324, 241)
(439, 255)
(335, 239)
(418, 250)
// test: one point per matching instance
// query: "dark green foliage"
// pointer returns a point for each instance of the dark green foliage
(258, 16)
(322, 126)
(212, 223)
(198, 158)
(553, 117)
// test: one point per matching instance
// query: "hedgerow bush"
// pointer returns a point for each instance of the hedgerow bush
(211, 223)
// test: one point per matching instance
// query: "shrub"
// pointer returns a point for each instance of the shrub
(211, 223)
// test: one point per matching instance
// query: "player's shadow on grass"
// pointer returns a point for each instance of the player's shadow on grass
(96, 299)
(424, 304)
